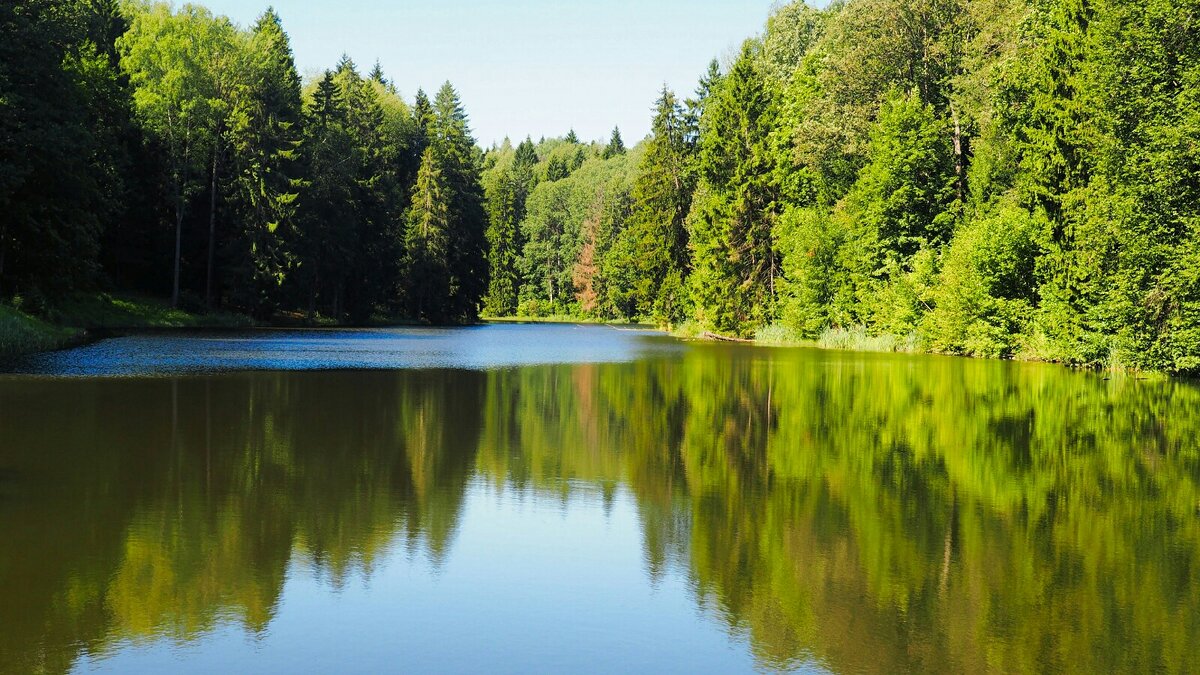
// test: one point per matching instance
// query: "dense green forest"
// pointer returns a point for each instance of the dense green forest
(1016, 178)
(985, 177)
(169, 152)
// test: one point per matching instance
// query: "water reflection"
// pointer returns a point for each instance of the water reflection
(866, 513)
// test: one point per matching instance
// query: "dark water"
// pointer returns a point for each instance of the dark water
(563, 499)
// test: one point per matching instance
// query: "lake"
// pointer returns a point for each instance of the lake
(566, 498)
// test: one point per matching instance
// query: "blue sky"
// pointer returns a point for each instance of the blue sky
(533, 67)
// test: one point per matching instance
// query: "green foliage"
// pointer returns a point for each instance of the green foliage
(987, 177)
(984, 302)
(61, 109)
(735, 264)
(427, 241)
(653, 248)
(21, 333)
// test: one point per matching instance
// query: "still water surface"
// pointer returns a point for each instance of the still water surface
(562, 499)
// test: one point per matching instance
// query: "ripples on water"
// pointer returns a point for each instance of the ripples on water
(562, 499)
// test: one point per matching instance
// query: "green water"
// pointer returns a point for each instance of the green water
(675, 508)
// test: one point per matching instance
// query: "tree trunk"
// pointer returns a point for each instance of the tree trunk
(959, 163)
(3, 249)
(212, 231)
(312, 297)
(178, 248)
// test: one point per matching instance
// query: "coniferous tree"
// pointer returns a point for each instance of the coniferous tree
(459, 160)
(264, 136)
(505, 242)
(616, 145)
(557, 169)
(655, 244)
(734, 257)
(326, 211)
(376, 74)
(364, 287)
(428, 238)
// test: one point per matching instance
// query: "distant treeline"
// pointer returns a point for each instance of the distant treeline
(164, 150)
(986, 177)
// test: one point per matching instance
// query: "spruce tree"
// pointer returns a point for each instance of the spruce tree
(265, 135)
(376, 74)
(327, 214)
(428, 237)
(655, 245)
(616, 145)
(505, 242)
(459, 160)
(735, 263)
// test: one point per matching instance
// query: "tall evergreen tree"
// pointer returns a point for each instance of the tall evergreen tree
(365, 286)
(327, 217)
(616, 145)
(734, 258)
(506, 210)
(264, 135)
(428, 239)
(460, 162)
(655, 245)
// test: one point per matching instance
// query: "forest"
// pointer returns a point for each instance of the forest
(1001, 178)
(167, 151)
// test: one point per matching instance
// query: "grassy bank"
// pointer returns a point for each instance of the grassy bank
(21, 333)
(72, 320)
(858, 339)
(561, 318)
(108, 312)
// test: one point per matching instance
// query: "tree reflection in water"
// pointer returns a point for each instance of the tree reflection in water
(872, 513)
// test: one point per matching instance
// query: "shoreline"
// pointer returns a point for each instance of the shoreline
(85, 320)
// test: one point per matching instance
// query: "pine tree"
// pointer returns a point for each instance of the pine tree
(327, 216)
(506, 211)
(265, 135)
(655, 245)
(572, 138)
(734, 258)
(460, 162)
(428, 238)
(616, 146)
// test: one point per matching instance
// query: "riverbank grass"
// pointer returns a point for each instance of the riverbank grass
(21, 333)
(69, 321)
(110, 312)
